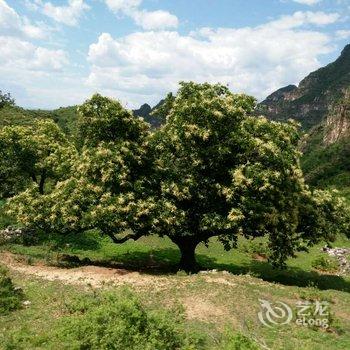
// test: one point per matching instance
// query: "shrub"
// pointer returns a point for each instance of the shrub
(238, 341)
(5, 220)
(256, 246)
(323, 263)
(120, 321)
(10, 296)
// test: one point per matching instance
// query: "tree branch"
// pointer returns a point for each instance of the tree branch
(117, 240)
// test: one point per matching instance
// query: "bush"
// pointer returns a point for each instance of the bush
(238, 341)
(257, 246)
(10, 297)
(5, 220)
(323, 263)
(120, 321)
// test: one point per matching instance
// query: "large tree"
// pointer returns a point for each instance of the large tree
(221, 172)
(211, 170)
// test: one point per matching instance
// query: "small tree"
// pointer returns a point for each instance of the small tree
(110, 174)
(6, 100)
(34, 153)
(211, 170)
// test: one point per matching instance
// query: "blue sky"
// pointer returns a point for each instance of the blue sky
(57, 53)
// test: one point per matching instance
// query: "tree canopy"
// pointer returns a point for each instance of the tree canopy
(213, 169)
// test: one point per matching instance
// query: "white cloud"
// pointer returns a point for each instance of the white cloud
(13, 24)
(47, 90)
(300, 18)
(69, 14)
(307, 2)
(149, 20)
(123, 5)
(22, 55)
(255, 60)
(343, 34)
(17, 52)
(36, 76)
(155, 19)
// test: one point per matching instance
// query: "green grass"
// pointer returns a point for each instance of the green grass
(10, 297)
(324, 263)
(111, 320)
(225, 313)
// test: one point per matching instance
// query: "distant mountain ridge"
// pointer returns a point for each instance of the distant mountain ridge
(311, 101)
(145, 112)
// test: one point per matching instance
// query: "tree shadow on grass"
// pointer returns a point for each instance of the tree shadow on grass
(158, 261)
(165, 261)
(291, 276)
(162, 261)
(57, 242)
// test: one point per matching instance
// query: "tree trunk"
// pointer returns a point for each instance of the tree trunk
(188, 259)
(34, 178)
(42, 182)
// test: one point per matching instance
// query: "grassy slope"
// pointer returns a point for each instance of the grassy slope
(215, 306)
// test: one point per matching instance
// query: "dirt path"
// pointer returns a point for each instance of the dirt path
(97, 276)
(197, 306)
(85, 275)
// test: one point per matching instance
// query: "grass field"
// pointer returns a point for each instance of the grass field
(214, 308)
(216, 303)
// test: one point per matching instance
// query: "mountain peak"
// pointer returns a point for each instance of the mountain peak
(310, 102)
(143, 111)
(346, 51)
(281, 93)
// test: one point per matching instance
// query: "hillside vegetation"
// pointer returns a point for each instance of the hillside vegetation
(65, 117)
(326, 159)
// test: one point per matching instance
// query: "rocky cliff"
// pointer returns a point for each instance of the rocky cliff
(337, 122)
(312, 100)
(326, 148)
